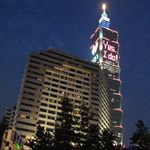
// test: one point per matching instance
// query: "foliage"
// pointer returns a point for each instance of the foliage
(42, 140)
(90, 137)
(3, 126)
(141, 138)
(71, 133)
(64, 130)
(107, 138)
(83, 126)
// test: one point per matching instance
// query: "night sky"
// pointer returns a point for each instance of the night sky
(31, 25)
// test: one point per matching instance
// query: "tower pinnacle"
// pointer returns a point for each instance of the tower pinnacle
(104, 8)
(104, 20)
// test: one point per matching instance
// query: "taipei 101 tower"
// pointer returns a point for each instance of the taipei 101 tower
(105, 52)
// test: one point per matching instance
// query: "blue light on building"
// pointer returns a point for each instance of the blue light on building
(104, 24)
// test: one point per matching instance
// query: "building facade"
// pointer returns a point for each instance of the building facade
(105, 52)
(9, 115)
(50, 74)
(12, 140)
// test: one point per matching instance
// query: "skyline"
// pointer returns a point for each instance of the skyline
(67, 26)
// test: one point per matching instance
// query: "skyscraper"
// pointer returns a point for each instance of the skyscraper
(105, 52)
(47, 76)
(9, 115)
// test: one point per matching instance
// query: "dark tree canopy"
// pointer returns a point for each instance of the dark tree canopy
(64, 129)
(42, 140)
(73, 132)
(140, 138)
(107, 138)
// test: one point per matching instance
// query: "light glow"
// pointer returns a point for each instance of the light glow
(118, 127)
(116, 66)
(104, 6)
(117, 94)
(16, 145)
(116, 79)
(95, 47)
(118, 110)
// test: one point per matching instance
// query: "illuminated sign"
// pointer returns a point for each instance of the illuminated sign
(16, 145)
(110, 51)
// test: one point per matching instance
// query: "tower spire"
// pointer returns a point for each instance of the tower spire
(104, 8)
(104, 20)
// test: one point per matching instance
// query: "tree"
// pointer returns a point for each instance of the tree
(93, 140)
(83, 127)
(137, 137)
(73, 134)
(145, 141)
(3, 126)
(107, 138)
(64, 127)
(41, 140)
(90, 136)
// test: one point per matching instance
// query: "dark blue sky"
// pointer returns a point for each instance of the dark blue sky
(31, 25)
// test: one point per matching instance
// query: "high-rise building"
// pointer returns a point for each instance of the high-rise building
(105, 52)
(9, 115)
(50, 74)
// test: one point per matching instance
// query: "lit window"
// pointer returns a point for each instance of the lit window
(94, 74)
(43, 98)
(39, 79)
(78, 91)
(65, 68)
(47, 78)
(76, 112)
(78, 96)
(38, 90)
(69, 94)
(93, 79)
(87, 74)
(33, 112)
(52, 100)
(32, 118)
(79, 77)
(46, 88)
(37, 95)
(22, 116)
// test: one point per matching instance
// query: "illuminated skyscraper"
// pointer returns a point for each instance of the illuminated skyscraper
(47, 76)
(105, 52)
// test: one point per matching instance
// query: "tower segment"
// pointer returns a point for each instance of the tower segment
(105, 52)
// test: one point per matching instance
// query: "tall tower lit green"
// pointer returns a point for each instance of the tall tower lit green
(105, 52)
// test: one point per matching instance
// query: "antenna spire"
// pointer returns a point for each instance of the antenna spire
(104, 8)
(104, 20)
